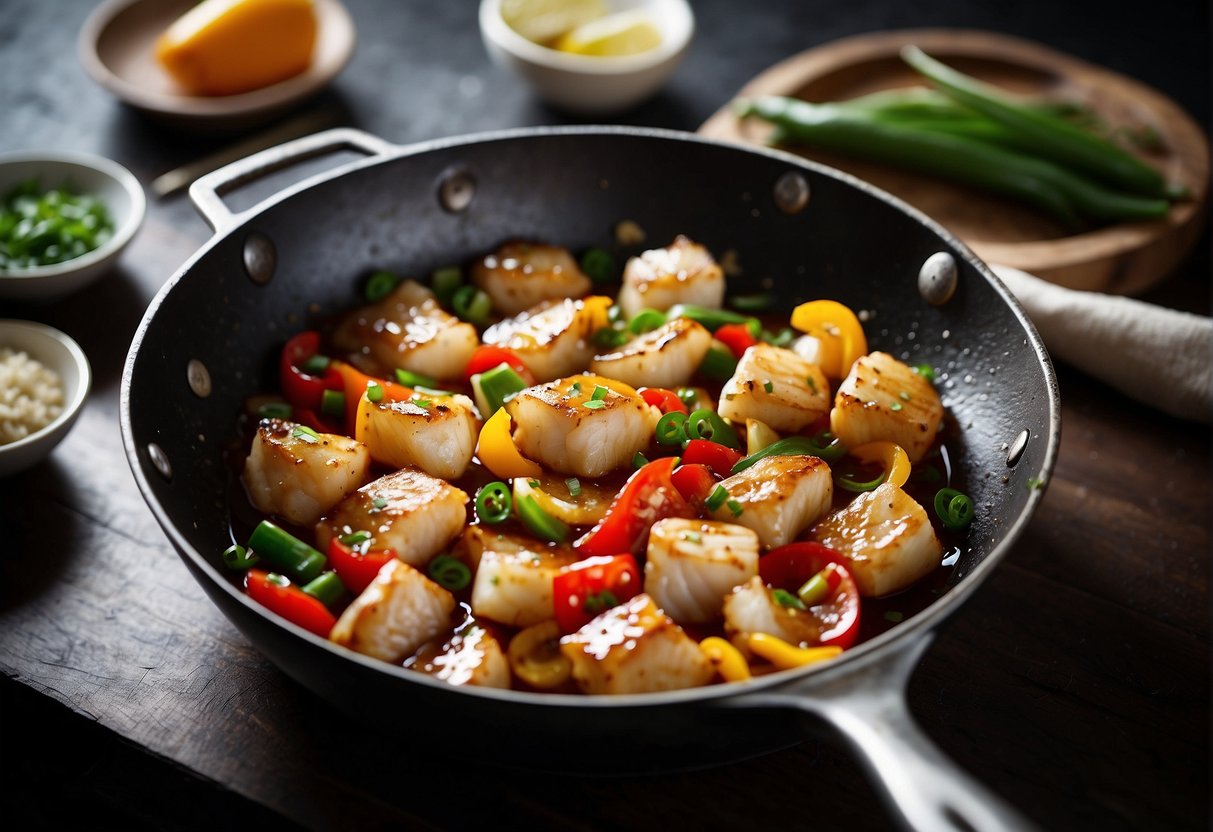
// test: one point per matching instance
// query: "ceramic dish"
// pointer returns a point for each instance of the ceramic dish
(62, 355)
(116, 47)
(587, 85)
(113, 184)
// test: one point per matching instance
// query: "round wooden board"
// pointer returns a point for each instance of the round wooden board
(1124, 259)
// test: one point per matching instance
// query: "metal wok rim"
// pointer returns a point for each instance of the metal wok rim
(853, 659)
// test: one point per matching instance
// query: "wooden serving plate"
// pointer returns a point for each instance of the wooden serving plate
(1127, 258)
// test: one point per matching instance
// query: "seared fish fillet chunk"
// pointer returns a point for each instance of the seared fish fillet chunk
(434, 433)
(409, 511)
(751, 608)
(407, 329)
(585, 425)
(692, 564)
(520, 275)
(297, 474)
(472, 656)
(635, 648)
(514, 586)
(553, 338)
(666, 357)
(886, 538)
(683, 272)
(882, 399)
(398, 612)
(776, 387)
(779, 497)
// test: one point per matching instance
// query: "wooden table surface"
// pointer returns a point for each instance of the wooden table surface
(1075, 682)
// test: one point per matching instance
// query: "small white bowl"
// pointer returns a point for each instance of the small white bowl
(113, 184)
(59, 353)
(588, 85)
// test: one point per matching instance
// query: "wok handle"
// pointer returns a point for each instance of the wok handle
(922, 786)
(207, 191)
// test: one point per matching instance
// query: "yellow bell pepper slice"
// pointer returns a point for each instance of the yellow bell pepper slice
(787, 656)
(726, 658)
(498, 453)
(840, 332)
(892, 457)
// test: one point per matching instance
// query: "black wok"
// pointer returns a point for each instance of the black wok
(208, 339)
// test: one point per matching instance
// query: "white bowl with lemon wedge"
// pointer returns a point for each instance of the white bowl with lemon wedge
(589, 57)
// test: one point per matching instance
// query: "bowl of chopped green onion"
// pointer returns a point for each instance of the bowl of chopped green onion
(64, 219)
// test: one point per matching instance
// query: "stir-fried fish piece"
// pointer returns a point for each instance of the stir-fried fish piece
(397, 613)
(585, 425)
(472, 656)
(777, 387)
(514, 586)
(666, 357)
(298, 475)
(478, 539)
(751, 608)
(886, 538)
(779, 497)
(884, 400)
(634, 648)
(409, 511)
(684, 272)
(407, 329)
(520, 275)
(692, 564)
(434, 433)
(553, 338)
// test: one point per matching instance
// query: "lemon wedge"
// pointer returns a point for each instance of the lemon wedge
(542, 21)
(621, 33)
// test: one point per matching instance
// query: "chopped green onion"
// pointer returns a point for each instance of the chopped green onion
(692, 537)
(1035, 483)
(573, 485)
(787, 599)
(325, 588)
(757, 302)
(707, 424)
(814, 590)
(895, 406)
(379, 285)
(237, 557)
(610, 337)
(735, 507)
(594, 404)
(754, 327)
(904, 396)
(812, 383)
(925, 371)
(848, 482)
(374, 392)
(275, 410)
(598, 265)
(445, 282)
(472, 305)
(576, 388)
(783, 338)
(411, 379)
(646, 320)
(493, 503)
(894, 616)
(286, 553)
(278, 580)
(599, 393)
(688, 397)
(540, 523)
(40, 228)
(315, 365)
(768, 386)
(306, 434)
(597, 602)
(497, 386)
(716, 499)
(355, 538)
(450, 573)
(713, 319)
(671, 428)
(954, 508)
(718, 364)
(424, 404)
(640, 460)
(332, 403)
(379, 503)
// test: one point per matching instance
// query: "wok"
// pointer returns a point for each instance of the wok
(210, 336)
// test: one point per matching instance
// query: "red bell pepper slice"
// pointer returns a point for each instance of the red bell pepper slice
(647, 496)
(789, 567)
(303, 390)
(290, 602)
(357, 568)
(737, 337)
(716, 456)
(487, 357)
(694, 483)
(587, 588)
(666, 401)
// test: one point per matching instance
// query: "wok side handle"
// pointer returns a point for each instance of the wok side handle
(924, 788)
(207, 191)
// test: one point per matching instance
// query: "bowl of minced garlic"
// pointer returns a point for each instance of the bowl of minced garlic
(44, 380)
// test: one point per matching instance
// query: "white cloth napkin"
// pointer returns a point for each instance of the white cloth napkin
(1159, 356)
